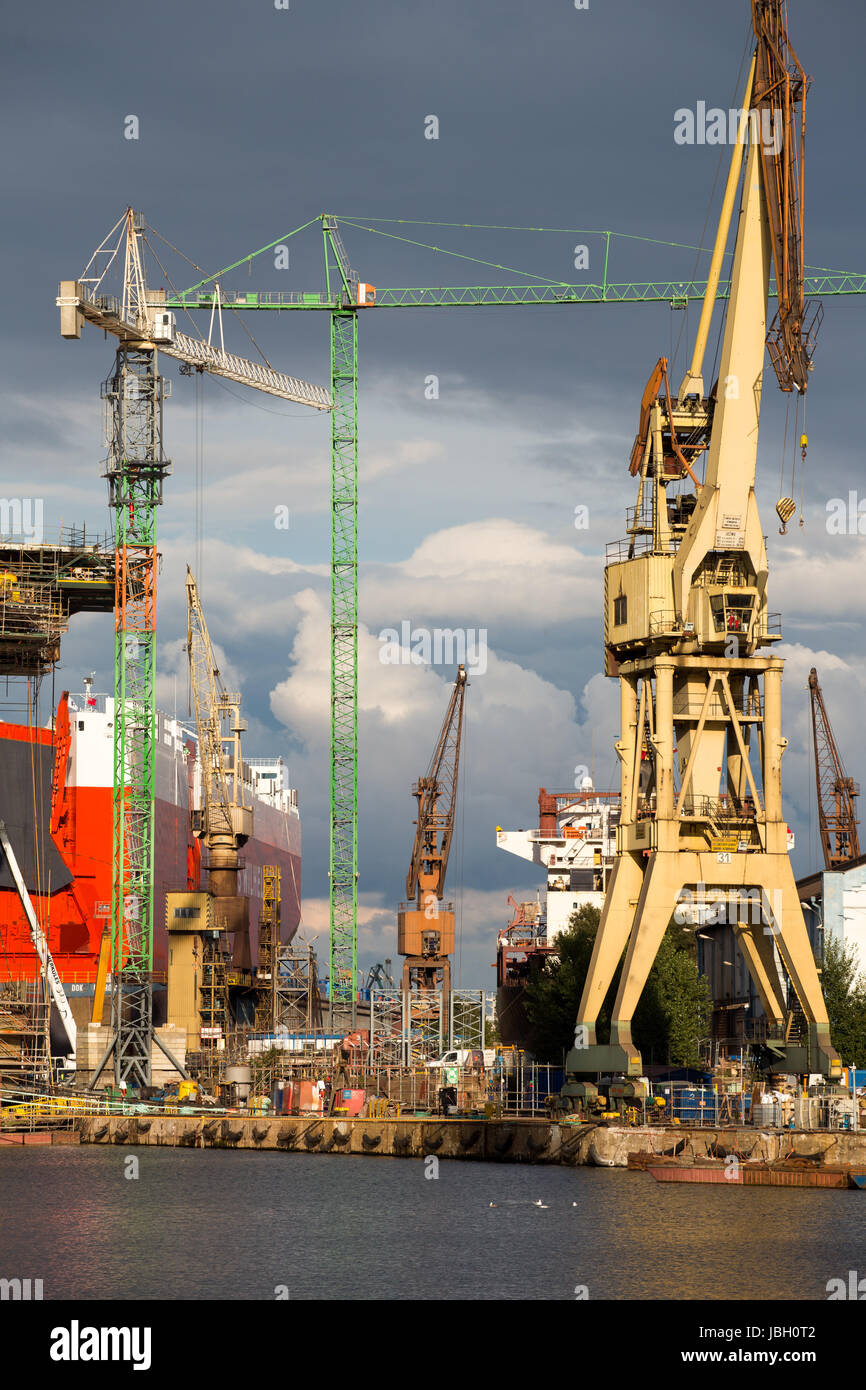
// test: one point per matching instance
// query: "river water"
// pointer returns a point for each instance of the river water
(215, 1224)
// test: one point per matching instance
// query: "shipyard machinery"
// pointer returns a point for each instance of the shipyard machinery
(837, 814)
(136, 468)
(200, 923)
(224, 821)
(687, 629)
(425, 931)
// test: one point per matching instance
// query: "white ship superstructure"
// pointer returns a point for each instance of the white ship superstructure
(575, 842)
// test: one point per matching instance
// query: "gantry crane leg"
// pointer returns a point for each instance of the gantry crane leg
(615, 927)
(756, 945)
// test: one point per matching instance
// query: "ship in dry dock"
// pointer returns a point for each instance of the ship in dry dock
(57, 803)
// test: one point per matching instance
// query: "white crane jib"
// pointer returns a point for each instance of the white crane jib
(139, 314)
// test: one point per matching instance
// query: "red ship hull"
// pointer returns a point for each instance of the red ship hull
(62, 827)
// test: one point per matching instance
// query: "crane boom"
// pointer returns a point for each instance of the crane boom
(837, 815)
(780, 102)
(225, 822)
(108, 313)
(436, 795)
(210, 699)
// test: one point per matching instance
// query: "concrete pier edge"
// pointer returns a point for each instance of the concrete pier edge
(497, 1141)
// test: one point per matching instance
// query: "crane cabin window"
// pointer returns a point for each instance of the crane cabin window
(620, 610)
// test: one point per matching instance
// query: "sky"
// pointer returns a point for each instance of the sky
(253, 120)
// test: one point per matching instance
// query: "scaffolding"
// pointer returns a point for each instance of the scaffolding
(466, 1023)
(25, 1043)
(386, 1027)
(42, 585)
(269, 946)
(297, 1002)
(406, 1027)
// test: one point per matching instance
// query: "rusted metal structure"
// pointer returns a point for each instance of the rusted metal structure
(837, 815)
(779, 99)
(425, 931)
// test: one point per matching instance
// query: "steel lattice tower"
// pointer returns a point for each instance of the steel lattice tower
(135, 470)
(343, 955)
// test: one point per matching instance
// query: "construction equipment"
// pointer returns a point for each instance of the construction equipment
(686, 619)
(201, 923)
(224, 821)
(379, 976)
(837, 815)
(425, 932)
(40, 944)
(136, 468)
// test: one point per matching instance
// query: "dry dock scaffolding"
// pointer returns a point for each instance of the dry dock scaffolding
(42, 585)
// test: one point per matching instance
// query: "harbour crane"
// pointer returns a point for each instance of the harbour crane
(136, 469)
(224, 821)
(687, 625)
(425, 931)
(837, 814)
(203, 923)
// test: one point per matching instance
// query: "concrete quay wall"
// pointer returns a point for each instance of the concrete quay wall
(498, 1141)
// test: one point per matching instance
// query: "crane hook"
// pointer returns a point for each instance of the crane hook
(785, 509)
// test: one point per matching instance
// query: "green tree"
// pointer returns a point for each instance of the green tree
(670, 1020)
(674, 1010)
(553, 995)
(845, 996)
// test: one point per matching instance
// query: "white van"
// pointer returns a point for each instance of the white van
(458, 1057)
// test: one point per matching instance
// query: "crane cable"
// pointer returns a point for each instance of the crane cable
(461, 794)
(199, 477)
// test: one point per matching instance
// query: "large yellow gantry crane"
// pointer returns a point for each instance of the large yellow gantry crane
(687, 626)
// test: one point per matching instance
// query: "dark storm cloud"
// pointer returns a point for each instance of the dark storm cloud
(253, 121)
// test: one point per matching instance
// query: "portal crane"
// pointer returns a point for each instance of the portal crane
(224, 821)
(425, 932)
(686, 619)
(837, 814)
